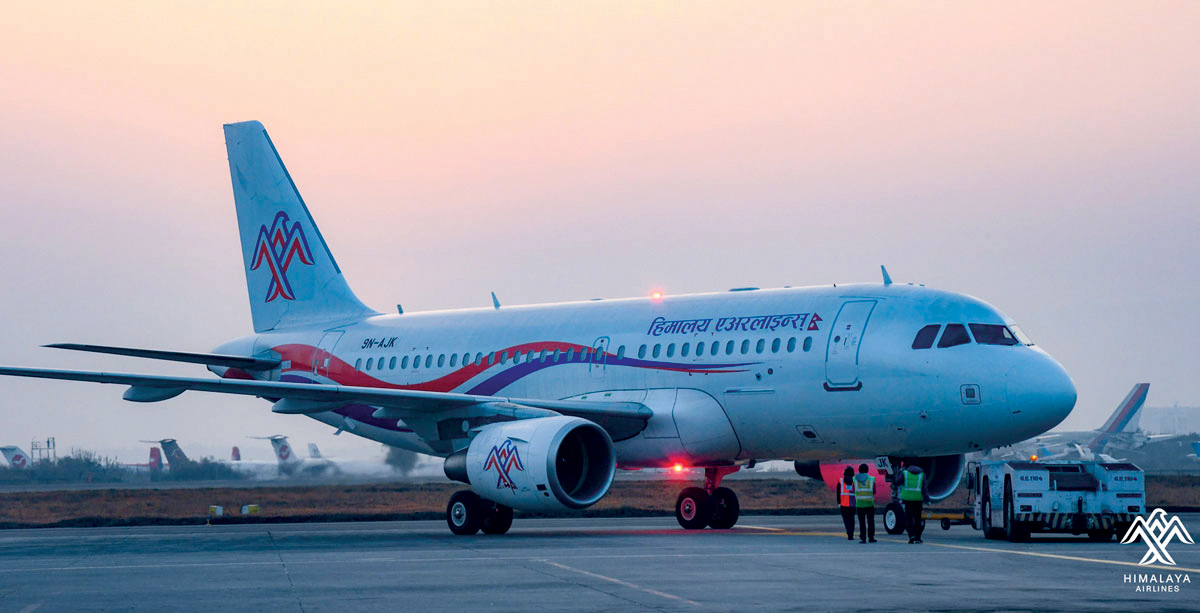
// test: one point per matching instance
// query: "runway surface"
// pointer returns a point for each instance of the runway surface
(766, 563)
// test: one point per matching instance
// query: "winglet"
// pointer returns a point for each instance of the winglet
(495, 301)
(887, 279)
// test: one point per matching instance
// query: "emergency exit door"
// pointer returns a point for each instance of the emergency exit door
(323, 353)
(845, 339)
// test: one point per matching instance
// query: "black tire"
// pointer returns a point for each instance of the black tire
(1100, 536)
(1014, 530)
(496, 520)
(945, 524)
(893, 518)
(463, 513)
(986, 512)
(693, 508)
(724, 509)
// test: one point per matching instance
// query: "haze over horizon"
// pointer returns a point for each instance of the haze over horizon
(1040, 157)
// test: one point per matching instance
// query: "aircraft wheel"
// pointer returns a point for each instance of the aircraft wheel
(692, 508)
(725, 509)
(463, 513)
(497, 519)
(893, 518)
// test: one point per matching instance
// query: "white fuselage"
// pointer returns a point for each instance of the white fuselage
(794, 373)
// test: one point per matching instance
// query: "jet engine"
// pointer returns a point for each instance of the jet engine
(539, 464)
(944, 473)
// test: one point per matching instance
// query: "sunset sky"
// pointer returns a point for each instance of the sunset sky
(1042, 156)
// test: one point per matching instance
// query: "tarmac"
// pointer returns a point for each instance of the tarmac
(765, 563)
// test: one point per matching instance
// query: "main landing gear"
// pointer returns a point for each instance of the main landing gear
(712, 505)
(467, 514)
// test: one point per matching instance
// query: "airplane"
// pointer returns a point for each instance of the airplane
(535, 407)
(290, 463)
(154, 465)
(17, 459)
(1195, 455)
(173, 452)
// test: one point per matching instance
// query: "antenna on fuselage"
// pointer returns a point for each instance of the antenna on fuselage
(495, 301)
(887, 279)
(399, 310)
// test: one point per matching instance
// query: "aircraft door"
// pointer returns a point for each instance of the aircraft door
(845, 338)
(323, 354)
(598, 358)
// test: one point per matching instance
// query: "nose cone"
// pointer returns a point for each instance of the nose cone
(1041, 393)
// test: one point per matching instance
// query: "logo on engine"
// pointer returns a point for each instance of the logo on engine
(504, 459)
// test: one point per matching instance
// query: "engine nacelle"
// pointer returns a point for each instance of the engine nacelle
(943, 472)
(540, 464)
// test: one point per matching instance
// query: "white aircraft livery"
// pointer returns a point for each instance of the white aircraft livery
(535, 407)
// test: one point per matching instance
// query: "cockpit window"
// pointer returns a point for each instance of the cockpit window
(925, 336)
(992, 334)
(955, 334)
(1020, 334)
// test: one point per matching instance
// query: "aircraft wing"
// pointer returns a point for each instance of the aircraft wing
(212, 359)
(424, 411)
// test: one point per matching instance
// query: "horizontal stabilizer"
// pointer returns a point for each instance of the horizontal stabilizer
(210, 359)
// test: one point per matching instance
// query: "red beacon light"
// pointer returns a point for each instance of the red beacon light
(677, 468)
(656, 295)
(1033, 458)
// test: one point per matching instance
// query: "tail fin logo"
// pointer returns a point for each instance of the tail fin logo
(276, 246)
(504, 458)
(19, 461)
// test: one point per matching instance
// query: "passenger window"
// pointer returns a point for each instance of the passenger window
(657, 350)
(621, 352)
(466, 359)
(556, 356)
(791, 344)
(570, 355)
(716, 348)
(671, 350)
(441, 360)
(925, 336)
(429, 361)
(404, 363)
(417, 361)
(517, 357)
(729, 348)
(807, 343)
(358, 364)
(453, 359)
(503, 358)
(992, 334)
(955, 334)
(745, 346)
(775, 346)
(369, 360)
(392, 363)
(683, 351)
(642, 351)
(762, 344)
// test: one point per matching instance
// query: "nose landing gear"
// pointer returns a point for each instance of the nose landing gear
(712, 505)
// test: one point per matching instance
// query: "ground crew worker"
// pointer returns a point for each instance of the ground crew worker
(845, 496)
(864, 502)
(914, 492)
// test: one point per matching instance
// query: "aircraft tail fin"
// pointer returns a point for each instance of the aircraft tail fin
(236, 454)
(1124, 419)
(291, 276)
(283, 451)
(17, 459)
(1196, 449)
(313, 452)
(156, 461)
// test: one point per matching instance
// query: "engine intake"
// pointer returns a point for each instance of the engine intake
(944, 473)
(545, 463)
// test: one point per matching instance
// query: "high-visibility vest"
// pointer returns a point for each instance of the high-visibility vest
(845, 494)
(911, 489)
(864, 492)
